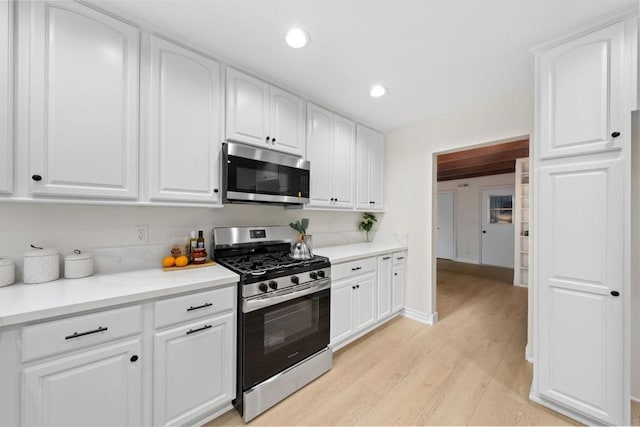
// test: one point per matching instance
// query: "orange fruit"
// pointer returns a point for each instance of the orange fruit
(168, 261)
(181, 261)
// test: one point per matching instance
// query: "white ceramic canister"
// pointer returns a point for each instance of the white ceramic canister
(7, 272)
(77, 265)
(41, 265)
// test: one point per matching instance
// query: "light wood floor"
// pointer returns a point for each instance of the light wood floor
(468, 369)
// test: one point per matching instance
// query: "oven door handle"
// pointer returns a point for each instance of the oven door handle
(256, 304)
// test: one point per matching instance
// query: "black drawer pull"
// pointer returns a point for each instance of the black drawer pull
(193, 331)
(356, 268)
(81, 334)
(400, 257)
(205, 305)
(615, 293)
(386, 258)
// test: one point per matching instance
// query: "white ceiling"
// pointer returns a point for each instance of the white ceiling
(434, 56)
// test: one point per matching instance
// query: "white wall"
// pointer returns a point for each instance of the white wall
(468, 212)
(410, 183)
(108, 231)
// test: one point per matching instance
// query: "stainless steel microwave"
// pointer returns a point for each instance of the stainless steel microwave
(254, 175)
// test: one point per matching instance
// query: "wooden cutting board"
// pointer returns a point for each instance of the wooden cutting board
(209, 263)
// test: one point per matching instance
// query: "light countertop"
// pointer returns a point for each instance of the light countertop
(344, 253)
(20, 303)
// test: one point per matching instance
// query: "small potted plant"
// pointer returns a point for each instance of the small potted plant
(367, 223)
(301, 248)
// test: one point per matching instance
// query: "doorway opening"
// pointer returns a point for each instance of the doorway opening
(481, 227)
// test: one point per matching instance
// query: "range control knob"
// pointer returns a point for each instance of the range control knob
(294, 279)
(321, 274)
(273, 285)
(313, 275)
(263, 287)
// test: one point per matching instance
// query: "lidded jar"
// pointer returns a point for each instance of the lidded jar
(7, 272)
(78, 264)
(41, 265)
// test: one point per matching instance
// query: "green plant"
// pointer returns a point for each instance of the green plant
(300, 226)
(367, 223)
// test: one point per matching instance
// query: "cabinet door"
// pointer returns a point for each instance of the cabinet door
(376, 176)
(6, 97)
(342, 319)
(247, 109)
(397, 287)
(319, 142)
(365, 301)
(363, 168)
(100, 387)
(184, 125)
(580, 351)
(83, 103)
(581, 94)
(193, 370)
(287, 122)
(384, 286)
(344, 140)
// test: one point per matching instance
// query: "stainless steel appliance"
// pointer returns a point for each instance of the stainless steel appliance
(253, 175)
(283, 317)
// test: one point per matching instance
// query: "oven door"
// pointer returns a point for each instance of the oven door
(279, 336)
(256, 175)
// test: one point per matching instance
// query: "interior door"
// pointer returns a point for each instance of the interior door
(497, 227)
(445, 227)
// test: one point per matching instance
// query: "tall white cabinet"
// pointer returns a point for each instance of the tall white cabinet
(83, 103)
(184, 124)
(6, 97)
(370, 169)
(585, 95)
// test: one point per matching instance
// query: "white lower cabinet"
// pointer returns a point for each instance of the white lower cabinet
(384, 286)
(193, 370)
(353, 307)
(97, 387)
(398, 281)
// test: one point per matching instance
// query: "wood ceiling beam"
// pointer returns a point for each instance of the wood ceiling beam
(490, 149)
(484, 159)
(488, 169)
(474, 175)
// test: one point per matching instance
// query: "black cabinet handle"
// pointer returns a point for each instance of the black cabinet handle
(205, 305)
(357, 286)
(356, 268)
(267, 139)
(386, 257)
(615, 293)
(215, 190)
(81, 334)
(273, 140)
(395, 274)
(193, 331)
(36, 177)
(484, 231)
(134, 358)
(615, 134)
(400, 257)
(353, 287)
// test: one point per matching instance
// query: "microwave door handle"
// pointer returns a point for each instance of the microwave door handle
(256, 304)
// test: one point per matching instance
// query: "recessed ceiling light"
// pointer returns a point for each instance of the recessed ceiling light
(377, 91)
(297, 38)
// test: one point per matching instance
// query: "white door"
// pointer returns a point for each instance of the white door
(55, 393)
(384, 286)
(445, 228)
(344, 147)
(365, 301)
(184, 125)
(580, 353)
(193, 370)
(319, 137)
(83, 123)
(287, 122)
(6, 98)
(497, 227)
(247, 109)
(342, 309)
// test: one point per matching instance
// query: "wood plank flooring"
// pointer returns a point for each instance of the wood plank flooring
(468, 369)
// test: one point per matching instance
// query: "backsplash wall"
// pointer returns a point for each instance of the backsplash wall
(108, 231)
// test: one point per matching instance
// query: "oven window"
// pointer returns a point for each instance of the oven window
(288, 324)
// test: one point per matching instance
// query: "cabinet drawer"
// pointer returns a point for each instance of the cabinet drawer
(353, 268)
(400, 257)
(60, 336)
(192, 306)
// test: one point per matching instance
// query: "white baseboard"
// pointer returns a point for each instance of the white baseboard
(581, 418)
(467, 260)
(520, 285)
(427, 319)
(527, 354)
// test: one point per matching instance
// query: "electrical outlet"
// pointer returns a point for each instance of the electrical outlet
(142, 233)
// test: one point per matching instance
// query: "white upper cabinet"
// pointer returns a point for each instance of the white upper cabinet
(184, 122)
(263, 115)
(6, 97)
(331, 151)
(370, 169)
(581, 94)
(83, 103)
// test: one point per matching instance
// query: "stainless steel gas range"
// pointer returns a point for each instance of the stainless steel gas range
(283, 316)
